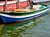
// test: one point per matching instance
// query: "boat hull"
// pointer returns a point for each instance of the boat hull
(8, 19)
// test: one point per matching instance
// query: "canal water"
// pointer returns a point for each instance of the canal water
(40, 27)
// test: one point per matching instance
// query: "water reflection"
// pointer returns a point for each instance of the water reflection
(16, 29)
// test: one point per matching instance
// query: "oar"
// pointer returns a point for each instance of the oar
(5, 9)
(31, 4)
(18, 4)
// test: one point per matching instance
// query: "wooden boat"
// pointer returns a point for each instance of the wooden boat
(22, 16)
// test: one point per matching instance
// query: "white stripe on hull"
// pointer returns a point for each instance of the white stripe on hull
(23, 16)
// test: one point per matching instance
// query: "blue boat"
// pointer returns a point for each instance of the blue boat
(11, 17)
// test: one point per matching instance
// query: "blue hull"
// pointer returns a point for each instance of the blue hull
(9, 19)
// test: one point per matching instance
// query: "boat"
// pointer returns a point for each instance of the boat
(23, 16)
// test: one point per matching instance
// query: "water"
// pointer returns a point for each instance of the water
(39, 28)
(42, 29)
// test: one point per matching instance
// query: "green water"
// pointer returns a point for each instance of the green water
(39, 27)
